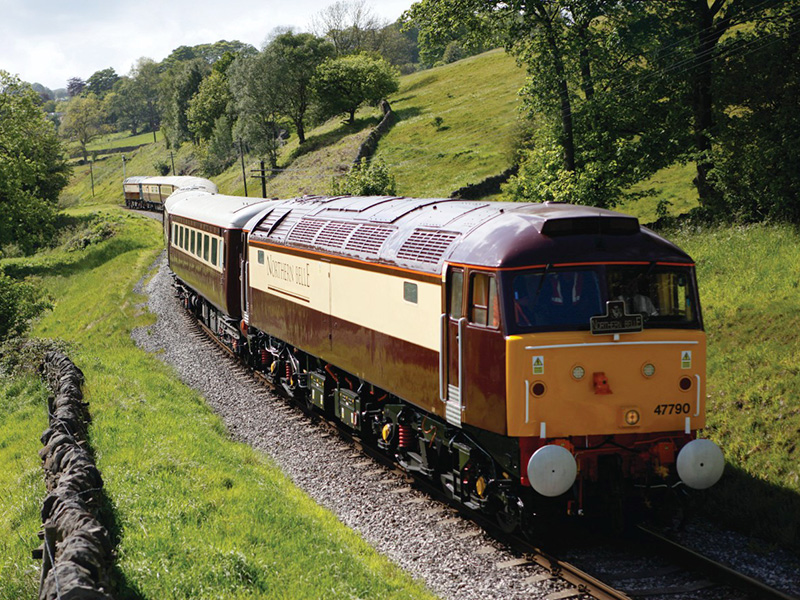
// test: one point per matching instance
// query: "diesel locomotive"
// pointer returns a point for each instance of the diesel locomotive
(523, 356)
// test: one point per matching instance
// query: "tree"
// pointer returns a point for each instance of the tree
(32, 168)
(177, 88)
(365, 179)
(75, 86)
(126, 104)
(756, 163)
(343, 84)
(83, 121)
(210, 53)
(208, 105)
(296, 57)
(101, 82)
(349, 25)
(255, 84)
(145, 84)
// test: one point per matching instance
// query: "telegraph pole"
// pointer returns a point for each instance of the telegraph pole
(262, 175)
(172, 158)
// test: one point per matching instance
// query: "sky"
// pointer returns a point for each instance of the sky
(50, 41)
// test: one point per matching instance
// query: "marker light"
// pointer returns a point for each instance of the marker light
(538, 388)
(578, 372)
(648, 370)
(632, 417)
(685, 384)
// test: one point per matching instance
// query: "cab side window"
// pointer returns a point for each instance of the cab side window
(483, 307)
(454, 300)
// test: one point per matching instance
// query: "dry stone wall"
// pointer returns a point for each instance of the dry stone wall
(77, 550)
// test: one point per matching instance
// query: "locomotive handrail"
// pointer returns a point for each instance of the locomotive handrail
(443, 357)
(697, 414)
(462, 328)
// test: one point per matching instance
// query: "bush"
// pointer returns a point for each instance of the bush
(162, 167)
(365, 179)
(20, 302)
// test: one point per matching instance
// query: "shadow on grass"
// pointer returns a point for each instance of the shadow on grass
(422, 82)
(754, 507)
(123, 588)
(408, 113)
(65, 264)
(315, 142)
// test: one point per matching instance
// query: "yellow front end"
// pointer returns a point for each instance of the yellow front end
(572, 383)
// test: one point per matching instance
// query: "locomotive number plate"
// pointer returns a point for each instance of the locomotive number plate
(673, 409)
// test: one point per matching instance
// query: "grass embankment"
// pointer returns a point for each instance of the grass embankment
(23, 418)
(476, 100)
(748, 278)
(197, 515)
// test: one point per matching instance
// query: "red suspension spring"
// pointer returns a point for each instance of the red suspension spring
(403, 436)
(264, 356)
(288, 370)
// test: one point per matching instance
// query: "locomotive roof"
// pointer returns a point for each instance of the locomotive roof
(229, 212)
(423, 233)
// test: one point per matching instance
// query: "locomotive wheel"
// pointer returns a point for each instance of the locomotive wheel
(510, 514)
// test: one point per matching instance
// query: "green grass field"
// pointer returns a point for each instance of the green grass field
(476, 100)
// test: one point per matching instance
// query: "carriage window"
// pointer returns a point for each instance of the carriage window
(180, 236)
(205, 246)
(185, 238)
(456, 294)
(175, 234)
(192, 245)
(222, 254)
(214, 251)
(483, 308)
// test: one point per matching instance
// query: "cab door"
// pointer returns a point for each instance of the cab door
(451, 364)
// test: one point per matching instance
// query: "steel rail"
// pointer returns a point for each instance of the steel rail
(717, 570)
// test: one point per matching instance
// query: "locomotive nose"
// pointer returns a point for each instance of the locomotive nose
(700, 464)
(552, 470)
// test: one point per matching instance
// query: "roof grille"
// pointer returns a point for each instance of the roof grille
(426, 246)
(368, 239)
(305, 231)
(271, 219)
(335, 234)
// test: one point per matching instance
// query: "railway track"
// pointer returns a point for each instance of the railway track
(648, 565)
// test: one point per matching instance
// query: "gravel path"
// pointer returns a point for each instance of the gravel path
(454, 557)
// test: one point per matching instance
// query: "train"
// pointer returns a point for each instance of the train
(149, 193)
(525, 357)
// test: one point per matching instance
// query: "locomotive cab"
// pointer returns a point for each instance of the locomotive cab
(606, 360)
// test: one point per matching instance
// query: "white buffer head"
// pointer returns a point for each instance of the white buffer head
(552, 470)
(700, 464)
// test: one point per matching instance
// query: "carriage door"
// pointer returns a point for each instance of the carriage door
(454, 326)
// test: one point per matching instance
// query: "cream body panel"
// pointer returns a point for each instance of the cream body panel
(370, 299)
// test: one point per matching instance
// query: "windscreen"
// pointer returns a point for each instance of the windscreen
(566, 298)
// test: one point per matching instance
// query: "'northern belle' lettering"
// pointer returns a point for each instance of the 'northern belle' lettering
(296, 274)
